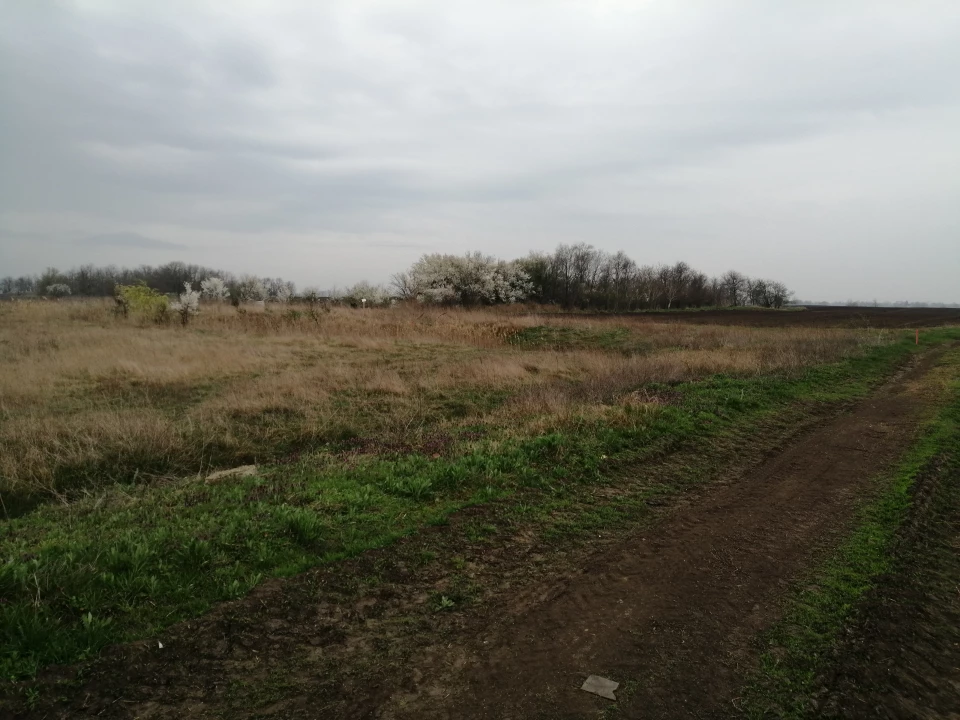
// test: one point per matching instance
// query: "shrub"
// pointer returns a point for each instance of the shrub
(142, 300)
(252, 289)
(188, 304)
(58, 290)
(365, 294)
(214, 288)
(279, 290)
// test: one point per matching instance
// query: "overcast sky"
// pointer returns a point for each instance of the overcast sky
(328, 142)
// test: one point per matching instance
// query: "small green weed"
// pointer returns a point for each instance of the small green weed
(442, 602)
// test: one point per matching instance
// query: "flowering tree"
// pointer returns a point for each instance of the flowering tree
(252, 289)
(58, 290)
(373, 294)
(469, 280)
(214, 288)
(279, 290)
(187, 304)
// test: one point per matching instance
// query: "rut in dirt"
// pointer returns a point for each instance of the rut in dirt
(672, 614)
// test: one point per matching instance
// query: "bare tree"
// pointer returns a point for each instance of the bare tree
(697, 289)
(757, 293)
(646, 284)
(404, 285)
(675, 282)
(622, 272)
(779, 294)
(734, 287)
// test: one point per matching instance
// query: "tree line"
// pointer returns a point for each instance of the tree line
(572, 276)
(169, 279)
(581, 276)
(91, 281)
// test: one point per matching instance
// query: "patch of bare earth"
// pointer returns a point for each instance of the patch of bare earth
(488, 618)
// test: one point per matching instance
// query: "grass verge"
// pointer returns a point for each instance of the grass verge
(125, 563)
(801, 647)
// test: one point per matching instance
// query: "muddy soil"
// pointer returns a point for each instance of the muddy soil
(668, 607)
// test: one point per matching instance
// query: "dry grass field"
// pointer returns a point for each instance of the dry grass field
(88, 398)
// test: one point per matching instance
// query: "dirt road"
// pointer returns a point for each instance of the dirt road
(669, 613)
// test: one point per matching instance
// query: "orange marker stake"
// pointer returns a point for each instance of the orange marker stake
(918, 336)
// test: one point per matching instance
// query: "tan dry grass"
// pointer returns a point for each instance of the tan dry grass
(85, 394)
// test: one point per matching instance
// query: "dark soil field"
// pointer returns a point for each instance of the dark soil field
(815, 316)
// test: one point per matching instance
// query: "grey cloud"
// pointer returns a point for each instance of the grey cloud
(243, 64)
(130, 240)
(397, 244)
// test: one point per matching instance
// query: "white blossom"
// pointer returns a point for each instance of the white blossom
(58, 290)
(252, 289)
(280, 290)
(469, 279)
(187, 304)
(214, 288)
(367, 294)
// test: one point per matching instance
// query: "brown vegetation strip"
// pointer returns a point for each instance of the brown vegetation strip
(88, 398)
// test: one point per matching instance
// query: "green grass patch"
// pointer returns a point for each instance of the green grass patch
(131, 560)
(801, 646)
